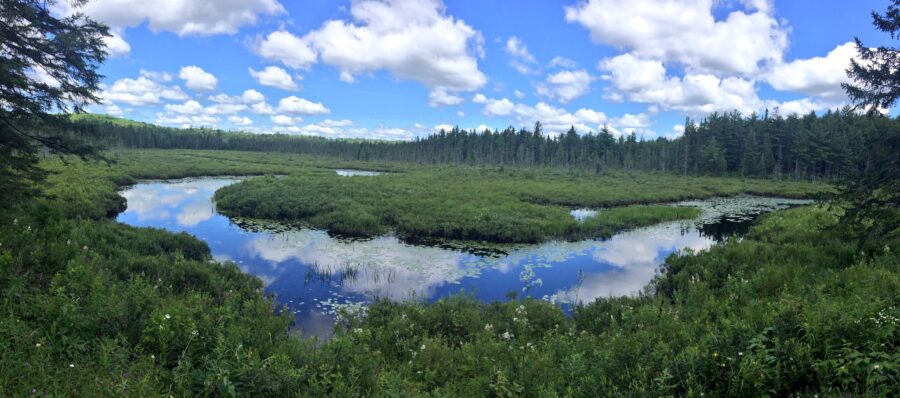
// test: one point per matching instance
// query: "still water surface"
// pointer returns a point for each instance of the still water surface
(313, 274)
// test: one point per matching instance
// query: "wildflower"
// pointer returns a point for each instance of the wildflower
(15, 221)
(68, 242)
(38, 345)
(167, 316)
(84, 248)
(740, 354)
(422, 347)
(876, 366)
(194, 333)
(71, 365)
(506, 335)
(488, 327)
(152, 356)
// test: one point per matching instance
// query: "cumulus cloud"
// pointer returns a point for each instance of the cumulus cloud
(817, 76)
(301, 106)
(292, 51)
(197, 79)
(442, 97)
(182, 17)
(522, 60)
(413, 40)
(274, 76)
(116, 46)
(285, 120)
(252, 96)
(645, 81)
(555, 120)
(141, 91)
(240, 120)
(686, 31)
(566, 85)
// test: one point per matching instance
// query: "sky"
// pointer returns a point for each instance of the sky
(400, 69)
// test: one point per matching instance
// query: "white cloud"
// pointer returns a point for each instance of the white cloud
(445, 127)
(413, 40)
(522, 60)
(223, 98)
(195, 78)
(686, 31)
(337, 123)
(113, 110)
(442, 97)
(156, 76)
(193, 107)
(495, 107)
(141, 91)
(630, 123)
(555, 120)
(262, 108)
(519, 94)
(645, 81)
(186, 121)
(292, 51)
(284, 120)
(252, 96)
(240, 120)
(274, 76)
(562, 62)
(301, 106)
(116, 46)
(188, 108)
(566, 85)
(224, 109)
(817, 76)
(183, 17)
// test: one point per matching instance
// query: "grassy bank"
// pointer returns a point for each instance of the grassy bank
(93, 307)
(491, 205)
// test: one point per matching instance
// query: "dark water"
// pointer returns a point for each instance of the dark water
(314, 274)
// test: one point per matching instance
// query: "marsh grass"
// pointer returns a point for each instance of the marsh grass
(91, 307)
(482, 205)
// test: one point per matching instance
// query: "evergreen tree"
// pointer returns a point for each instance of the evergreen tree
(48, 65)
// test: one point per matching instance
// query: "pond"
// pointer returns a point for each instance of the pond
(355, 172)
(313, 274)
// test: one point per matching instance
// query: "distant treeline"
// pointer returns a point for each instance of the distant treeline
(827, 146)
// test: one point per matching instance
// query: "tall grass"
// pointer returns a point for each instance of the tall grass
(91, 307)
(492, 205)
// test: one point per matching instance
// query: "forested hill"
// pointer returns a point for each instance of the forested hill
(827, 146)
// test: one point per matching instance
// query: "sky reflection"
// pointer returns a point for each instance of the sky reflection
(311, 273)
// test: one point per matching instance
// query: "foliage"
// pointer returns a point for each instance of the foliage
(93, 307)
(830, 146)
(873, 192)
(47, 65)
(480, 204)
(877, 71)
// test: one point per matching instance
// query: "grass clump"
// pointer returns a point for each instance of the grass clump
(471, 204)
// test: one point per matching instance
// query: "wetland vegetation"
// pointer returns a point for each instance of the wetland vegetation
(806, 303)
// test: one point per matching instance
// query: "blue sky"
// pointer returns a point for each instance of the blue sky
(401, 69)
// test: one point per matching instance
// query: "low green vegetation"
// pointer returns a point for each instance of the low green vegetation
(94, 307)
(482, 204)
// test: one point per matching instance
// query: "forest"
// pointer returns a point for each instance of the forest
(830, 146)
